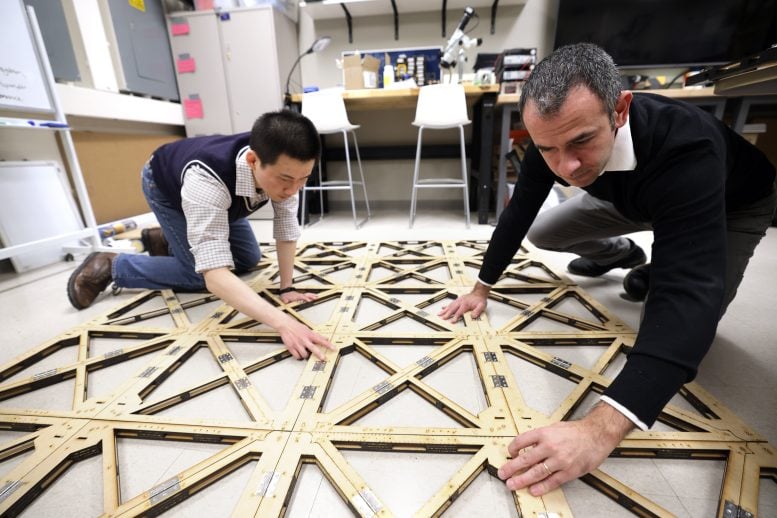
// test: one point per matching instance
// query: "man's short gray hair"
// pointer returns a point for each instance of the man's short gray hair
(580, 64)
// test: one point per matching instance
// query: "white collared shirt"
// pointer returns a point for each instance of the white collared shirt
(623, 157)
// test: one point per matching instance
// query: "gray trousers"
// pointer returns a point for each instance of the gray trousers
(593, 228)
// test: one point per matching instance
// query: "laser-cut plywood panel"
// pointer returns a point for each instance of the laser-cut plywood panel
(194, 408)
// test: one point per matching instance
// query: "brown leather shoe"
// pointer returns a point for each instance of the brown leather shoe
(154, 241)
(89, 279)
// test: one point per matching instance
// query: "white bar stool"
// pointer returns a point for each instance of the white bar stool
(440, 106)
(326, 109)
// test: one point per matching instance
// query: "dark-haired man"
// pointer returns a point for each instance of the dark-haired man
(646, 162)
(201, 190)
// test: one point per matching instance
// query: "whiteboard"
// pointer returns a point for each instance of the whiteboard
(22, 81)
(35, 203)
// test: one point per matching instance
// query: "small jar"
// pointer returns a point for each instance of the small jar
(401, 70)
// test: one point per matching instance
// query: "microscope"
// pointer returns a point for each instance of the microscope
(457, 45)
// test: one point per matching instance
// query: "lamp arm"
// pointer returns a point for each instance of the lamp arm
(287, 94)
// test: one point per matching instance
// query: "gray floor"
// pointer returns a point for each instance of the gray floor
(740, 369)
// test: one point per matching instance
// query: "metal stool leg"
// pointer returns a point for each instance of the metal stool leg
(350, 177)
(413, 195)
(361, 174)
(464, 175)
(320, 194)
(304, 211)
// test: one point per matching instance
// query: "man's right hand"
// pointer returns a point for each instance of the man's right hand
(300, 340)
(474, 301)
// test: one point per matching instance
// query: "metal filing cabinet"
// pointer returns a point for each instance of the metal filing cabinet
(140, 48)
(231, 65)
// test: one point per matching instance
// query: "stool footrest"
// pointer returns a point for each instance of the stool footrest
(332, 185)
(437, 183)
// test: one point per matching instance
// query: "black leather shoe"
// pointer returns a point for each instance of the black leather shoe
(637, 282)
(154, 241)
(589, 268)
(89, 279)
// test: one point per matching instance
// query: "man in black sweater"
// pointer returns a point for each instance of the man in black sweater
(645, 162)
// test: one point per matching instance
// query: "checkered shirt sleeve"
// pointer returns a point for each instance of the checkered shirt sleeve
(206, 200)
(285, 225)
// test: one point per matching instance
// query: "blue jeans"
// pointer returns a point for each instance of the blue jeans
(176, 271)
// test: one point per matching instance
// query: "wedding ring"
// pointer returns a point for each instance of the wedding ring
(547, 469)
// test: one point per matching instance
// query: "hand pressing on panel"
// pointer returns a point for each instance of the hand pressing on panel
(474, 301)
(300, 340)
(295, 296)
(547, 457)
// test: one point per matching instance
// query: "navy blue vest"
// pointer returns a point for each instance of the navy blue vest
(215, 154)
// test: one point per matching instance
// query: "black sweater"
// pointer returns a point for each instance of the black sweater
(690, 168)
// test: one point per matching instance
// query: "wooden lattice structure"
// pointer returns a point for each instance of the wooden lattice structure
(371, 297)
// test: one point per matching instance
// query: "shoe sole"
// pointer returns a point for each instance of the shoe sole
(625, 266)
(633, 264)
(71, 282)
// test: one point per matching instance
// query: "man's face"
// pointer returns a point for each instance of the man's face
(577, 142)
(282, 179)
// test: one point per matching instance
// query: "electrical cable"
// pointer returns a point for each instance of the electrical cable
(675, 78)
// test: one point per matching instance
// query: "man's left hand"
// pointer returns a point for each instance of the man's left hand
(547, 457)
(294, 296)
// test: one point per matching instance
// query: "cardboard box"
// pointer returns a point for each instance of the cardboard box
(360, 72)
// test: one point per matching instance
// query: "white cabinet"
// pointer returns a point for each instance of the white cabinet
(231, 65)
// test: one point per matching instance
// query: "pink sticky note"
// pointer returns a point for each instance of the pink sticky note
(193, 108)
(179, 28)
(185, 65)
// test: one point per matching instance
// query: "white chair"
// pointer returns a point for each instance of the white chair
(440, 106)
(326, 110)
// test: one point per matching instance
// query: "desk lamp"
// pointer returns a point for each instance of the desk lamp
(318, 45)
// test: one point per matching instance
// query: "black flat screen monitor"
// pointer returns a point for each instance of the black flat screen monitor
(671, 33)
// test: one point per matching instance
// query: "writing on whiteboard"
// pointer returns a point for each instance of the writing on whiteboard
(22, 82)
(7, 84)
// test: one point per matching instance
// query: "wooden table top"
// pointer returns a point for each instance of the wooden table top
(388, 98)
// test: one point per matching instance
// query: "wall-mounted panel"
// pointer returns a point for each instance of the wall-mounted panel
(140, 35)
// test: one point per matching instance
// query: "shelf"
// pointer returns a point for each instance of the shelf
(321, 11)
(98, 104)
(759, 81)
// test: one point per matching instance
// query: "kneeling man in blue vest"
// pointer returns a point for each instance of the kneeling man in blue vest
(201, 190)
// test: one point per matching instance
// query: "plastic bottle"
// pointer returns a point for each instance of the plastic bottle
(388, 75)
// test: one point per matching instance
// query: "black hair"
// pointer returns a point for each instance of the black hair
(284, 133)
